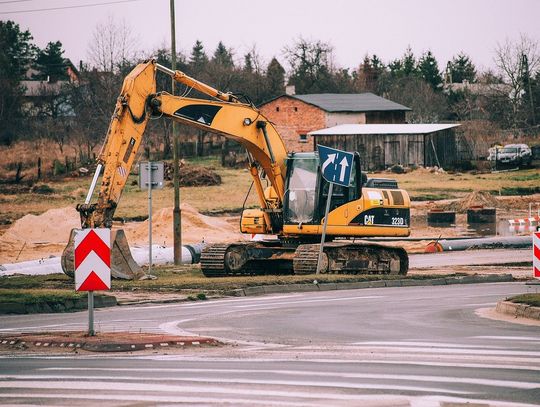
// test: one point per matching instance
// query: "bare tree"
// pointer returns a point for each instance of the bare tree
(517, 62)
(112, 46)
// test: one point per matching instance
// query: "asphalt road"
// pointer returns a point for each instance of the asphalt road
(418, 346)
(470, 258)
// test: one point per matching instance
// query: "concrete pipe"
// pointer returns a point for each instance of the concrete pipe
(515, 242)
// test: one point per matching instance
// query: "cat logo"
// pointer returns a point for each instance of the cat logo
(369, 219)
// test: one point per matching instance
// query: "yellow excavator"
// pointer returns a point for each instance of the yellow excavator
(292, 205)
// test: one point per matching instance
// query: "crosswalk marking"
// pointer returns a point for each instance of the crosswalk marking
(371, 376)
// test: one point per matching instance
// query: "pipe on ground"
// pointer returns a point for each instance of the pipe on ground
(508, 242)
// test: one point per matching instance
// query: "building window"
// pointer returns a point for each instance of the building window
(277, 108)
(303, 138)
(295, 109)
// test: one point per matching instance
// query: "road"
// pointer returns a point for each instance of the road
(418, 346)
(470, 258)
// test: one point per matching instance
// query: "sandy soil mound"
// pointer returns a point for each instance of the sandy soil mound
(52, 226)
(476, 198)
(195, 228)
(34, 237)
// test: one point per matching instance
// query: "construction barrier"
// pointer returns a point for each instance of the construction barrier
(524, 225)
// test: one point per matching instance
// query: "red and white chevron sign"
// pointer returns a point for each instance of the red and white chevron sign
(536, 254)
(92, 259)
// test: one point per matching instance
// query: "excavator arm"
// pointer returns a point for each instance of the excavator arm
(225, 116)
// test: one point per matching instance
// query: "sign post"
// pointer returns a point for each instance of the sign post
(150, 177)
(336, 168)
(536, 255)
(92, 265)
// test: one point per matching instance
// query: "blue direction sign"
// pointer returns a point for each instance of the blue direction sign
(336, 165)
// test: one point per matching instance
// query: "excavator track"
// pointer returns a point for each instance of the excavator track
(351, 258)
(246, 259)
(213, 260)
(257, 258)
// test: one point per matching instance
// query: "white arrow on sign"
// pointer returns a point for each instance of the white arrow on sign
(329, 160)
(344, 164)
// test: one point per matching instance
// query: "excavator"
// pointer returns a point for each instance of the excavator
(292, 193)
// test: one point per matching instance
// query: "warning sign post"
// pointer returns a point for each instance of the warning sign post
(92, 265)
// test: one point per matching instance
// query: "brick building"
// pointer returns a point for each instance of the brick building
(297, 115)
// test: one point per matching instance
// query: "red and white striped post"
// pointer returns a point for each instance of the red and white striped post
(536, 254)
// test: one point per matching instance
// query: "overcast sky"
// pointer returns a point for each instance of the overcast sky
(354, 28)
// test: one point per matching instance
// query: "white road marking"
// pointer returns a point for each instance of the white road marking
(414, 378)
(510, 338)
(426, 344)
(308, 301)
(213, 303)
(205, 387)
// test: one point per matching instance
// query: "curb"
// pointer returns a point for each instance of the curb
(518, 310)
(288, 288)
(152, 342)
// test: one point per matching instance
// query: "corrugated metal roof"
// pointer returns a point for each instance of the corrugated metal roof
(352, 129)
(350, 102)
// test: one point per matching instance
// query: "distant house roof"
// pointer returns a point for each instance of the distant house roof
(480, 89)
(348, 102)
(354, 129)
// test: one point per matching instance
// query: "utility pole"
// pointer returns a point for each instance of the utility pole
(177, 213)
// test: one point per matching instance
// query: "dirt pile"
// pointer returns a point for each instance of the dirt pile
(477, 198)
(195, 228)
(193, 175)
(32, 236)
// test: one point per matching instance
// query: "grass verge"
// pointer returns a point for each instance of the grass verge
(529, 299)
(189, 280)
(36, 296)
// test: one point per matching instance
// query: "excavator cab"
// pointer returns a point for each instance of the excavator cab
(307, 191)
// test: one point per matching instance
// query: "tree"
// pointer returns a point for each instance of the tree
(112, 47)
(198, 58)
(365, 78)
(50, 63)
(275, 77)
(405, 66)
(311, 66)
(248, 63)
(16, 55)
(429, 70)
(223, 56)
(518, 61)
(427, 105)
(461, 69)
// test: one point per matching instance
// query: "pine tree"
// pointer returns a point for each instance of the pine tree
(275, 77)
(50, 62)
(248, 63)
(462, 69)
(223, 56)
(429, 70)
(198, 58)
(16, 55)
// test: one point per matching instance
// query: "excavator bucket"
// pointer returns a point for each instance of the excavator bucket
(122, 264)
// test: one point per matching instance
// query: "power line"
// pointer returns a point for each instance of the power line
(14, 1)
(65, 7)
